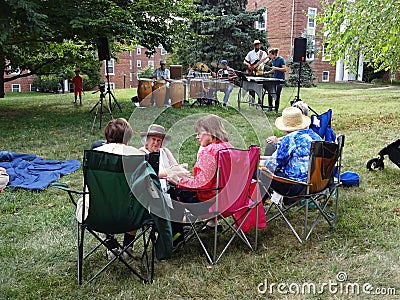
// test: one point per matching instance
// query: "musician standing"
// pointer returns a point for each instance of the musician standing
(278, 70)
(226, 73)
(162, 73)
(254, 62)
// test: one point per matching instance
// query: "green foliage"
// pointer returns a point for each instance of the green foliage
(307, 75)
(224, 30)
(367, 27)
(47, 83)
(44, 37)
(145, 72)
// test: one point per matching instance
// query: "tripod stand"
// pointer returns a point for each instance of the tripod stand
(99, 106)
(297, 98)
(110, 94)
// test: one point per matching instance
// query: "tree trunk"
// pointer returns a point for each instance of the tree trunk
(2, 67)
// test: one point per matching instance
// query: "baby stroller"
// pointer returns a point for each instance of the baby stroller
(393, 150)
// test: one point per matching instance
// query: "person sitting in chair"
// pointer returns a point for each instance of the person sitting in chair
(118, 133)
(154, 141)
(213, 137)
(291, 158)
(228, 74)
(272, 141)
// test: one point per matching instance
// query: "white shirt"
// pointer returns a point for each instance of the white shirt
(252, 56)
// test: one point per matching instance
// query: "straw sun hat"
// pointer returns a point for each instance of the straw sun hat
(157, 130)
(292, 119)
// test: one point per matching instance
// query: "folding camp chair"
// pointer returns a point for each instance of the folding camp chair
(234, 184)
(322, 188)
(321, 124)
(117, 206)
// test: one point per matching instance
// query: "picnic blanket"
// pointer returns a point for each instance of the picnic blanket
(32, 172)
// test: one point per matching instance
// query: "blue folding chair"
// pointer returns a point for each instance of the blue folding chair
(321, 124)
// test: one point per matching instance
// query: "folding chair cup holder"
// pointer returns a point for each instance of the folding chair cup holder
(232, 205)
(112, 210)
(322, 195)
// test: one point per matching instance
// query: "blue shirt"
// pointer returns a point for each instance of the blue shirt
(292, 154)
(279, 62)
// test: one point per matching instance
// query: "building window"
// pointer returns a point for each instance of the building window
(261, 24)
(130, 53)
(130, 77)
(138, 50)
(139, 63)
(32, 88)
(130, 64)
(15, 88)
(150, 63)
(326, 56)
(110, 66)
(312, 12)
(163, 52)
(325, 76)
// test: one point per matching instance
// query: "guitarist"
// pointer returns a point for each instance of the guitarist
(254, 60)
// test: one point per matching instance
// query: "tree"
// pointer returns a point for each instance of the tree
(223, 30)
(44, 37)
(367, 27)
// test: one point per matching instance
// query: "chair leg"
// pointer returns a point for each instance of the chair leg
(80, 238)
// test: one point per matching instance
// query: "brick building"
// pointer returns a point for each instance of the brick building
(123, 74)
(287, 19)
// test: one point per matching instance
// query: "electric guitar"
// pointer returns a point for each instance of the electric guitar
(252, 69)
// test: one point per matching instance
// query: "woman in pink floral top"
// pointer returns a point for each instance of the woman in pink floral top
(212, 136)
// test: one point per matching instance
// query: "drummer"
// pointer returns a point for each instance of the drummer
(226, 73)
(162, 73)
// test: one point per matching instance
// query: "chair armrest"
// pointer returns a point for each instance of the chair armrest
(64, 187)
(271, 175)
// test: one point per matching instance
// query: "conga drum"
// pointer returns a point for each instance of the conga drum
(176, 93)
(196, 88)
(144, 90)
(159, 92)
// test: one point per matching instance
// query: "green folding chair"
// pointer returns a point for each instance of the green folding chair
(124, 195)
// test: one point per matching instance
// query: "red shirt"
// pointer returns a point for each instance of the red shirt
(78, 83)
(204, 171)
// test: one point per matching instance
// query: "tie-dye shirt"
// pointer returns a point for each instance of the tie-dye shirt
(292, 154)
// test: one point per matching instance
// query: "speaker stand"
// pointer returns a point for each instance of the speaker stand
(100, 109)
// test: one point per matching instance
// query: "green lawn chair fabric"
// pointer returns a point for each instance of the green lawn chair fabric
(138, 185)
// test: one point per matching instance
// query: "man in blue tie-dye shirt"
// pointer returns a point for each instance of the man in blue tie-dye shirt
(291, 158)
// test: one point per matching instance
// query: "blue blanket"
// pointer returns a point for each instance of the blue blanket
(32, 172)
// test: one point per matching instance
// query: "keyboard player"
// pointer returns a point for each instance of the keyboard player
(278, 70)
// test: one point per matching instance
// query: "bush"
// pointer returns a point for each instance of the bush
(48, 83)
(307, 75)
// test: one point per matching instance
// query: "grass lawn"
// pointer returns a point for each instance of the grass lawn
(37, 230)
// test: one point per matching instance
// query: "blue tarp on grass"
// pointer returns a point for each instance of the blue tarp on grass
(29, 171)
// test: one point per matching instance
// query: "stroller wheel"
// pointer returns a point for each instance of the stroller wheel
(375, 163)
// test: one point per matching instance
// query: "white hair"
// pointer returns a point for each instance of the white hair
(302, 106)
